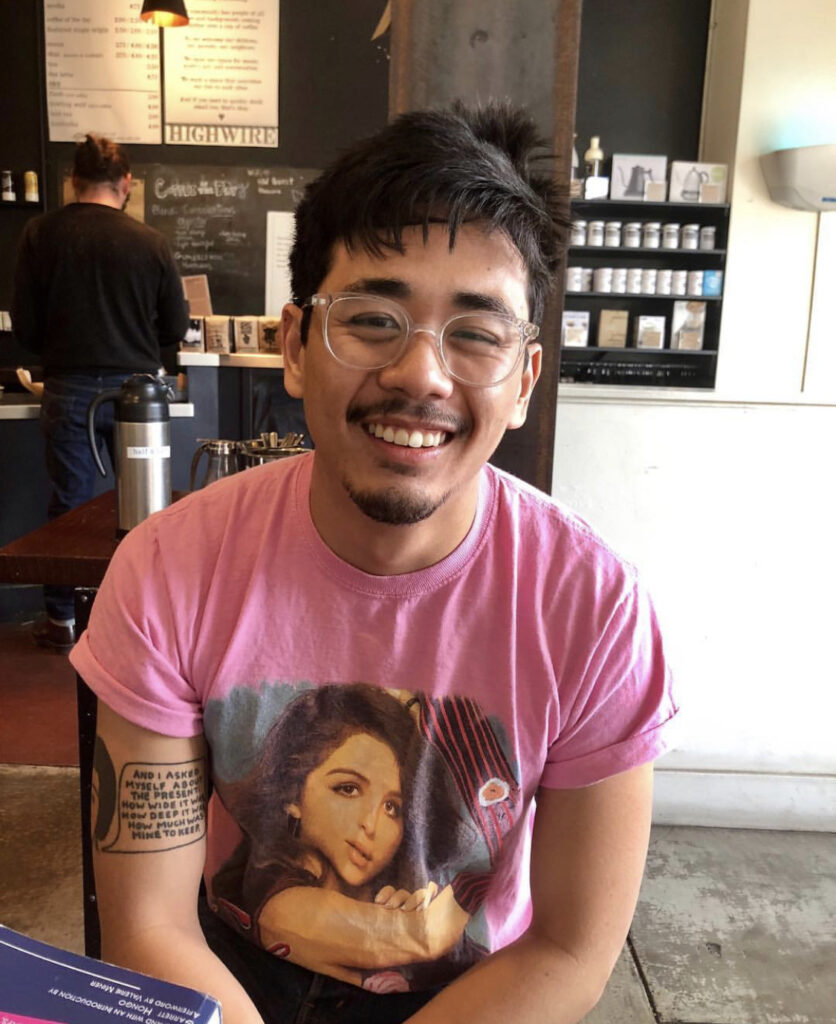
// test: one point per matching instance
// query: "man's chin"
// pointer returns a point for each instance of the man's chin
(393, 506)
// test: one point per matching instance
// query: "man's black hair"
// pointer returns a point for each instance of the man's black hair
(435, 166)
(100, 161)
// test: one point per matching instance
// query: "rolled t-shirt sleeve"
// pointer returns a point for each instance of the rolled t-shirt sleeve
(615, 714)
(131, 655)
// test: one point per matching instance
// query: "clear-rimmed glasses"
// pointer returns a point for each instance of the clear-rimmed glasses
(368, 332)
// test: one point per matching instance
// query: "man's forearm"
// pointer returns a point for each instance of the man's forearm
(184, 959)
(531, 981)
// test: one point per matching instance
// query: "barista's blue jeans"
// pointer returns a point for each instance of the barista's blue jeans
(285, 993)
(69, 461)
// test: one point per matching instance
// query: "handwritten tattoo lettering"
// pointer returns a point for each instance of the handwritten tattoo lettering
(157, 807)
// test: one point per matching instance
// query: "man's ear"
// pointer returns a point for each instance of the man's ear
(293, 351)
(531, 372)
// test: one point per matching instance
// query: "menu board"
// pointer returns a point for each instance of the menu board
(102, 71)
(215, 220)
(222, 75)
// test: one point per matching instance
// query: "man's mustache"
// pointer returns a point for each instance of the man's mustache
(420, 411)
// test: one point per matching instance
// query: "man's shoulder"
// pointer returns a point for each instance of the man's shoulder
(232, 506)
(550, 531)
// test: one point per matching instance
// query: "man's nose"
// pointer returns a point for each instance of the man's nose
(418, 370)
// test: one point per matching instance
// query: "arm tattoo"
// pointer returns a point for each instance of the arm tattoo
(154, 806)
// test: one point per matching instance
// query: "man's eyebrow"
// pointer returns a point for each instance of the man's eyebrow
(481, 301)
(395, 288)
(391, 287)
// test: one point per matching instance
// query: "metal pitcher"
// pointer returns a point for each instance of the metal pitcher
(221, 460)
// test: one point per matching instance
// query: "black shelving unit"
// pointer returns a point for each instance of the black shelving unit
(664, 367)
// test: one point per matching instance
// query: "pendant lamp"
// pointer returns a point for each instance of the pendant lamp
(165, 13)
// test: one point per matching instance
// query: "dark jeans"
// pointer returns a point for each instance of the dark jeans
(284, 993)
(69, 461)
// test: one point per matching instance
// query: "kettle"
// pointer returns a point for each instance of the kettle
(691, 185)
(142, 446)
(221, 460)
(639, 176)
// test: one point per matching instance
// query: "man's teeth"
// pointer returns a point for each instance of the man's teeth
(407, 438)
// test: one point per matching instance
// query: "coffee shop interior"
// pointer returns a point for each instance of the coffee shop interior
(707, 467)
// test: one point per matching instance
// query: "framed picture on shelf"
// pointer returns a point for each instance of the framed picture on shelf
(693, 182)
(632, 173)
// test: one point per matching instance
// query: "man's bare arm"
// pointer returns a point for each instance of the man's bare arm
(149, 826)
(587, 860)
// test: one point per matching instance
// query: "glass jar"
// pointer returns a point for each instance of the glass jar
(632, 235)
(619, 280)
(664, 279)
(670, 236)
(602, 279)
(694, 282)
(652, 234)
(612, 233)
(634, 281)
(574, 279)
(7, 189)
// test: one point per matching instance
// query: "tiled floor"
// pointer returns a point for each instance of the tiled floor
(732, 926)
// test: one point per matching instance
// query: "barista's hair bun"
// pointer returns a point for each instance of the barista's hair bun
(99, 160)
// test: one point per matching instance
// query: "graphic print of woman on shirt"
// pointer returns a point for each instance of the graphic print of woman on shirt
(347, 816)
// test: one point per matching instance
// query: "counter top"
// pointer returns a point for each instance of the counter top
(17, 406)
(244, 360)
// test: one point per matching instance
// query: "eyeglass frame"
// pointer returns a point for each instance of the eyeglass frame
(324, 301)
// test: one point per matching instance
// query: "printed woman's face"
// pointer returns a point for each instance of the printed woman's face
(351, 809)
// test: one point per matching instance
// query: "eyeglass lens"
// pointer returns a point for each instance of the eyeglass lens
(368, 333)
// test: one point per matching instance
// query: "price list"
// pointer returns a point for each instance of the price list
(102, 71)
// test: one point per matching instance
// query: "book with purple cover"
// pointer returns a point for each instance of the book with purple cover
(40, 984)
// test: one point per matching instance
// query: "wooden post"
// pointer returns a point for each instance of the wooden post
(475, 50)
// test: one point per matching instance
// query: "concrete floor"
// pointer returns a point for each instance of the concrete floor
(732, 927)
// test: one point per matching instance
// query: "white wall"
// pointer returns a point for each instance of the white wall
(727, 500)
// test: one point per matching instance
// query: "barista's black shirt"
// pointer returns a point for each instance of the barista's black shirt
(96, 291)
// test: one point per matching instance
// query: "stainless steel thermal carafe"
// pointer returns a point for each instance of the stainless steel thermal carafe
(142, 445)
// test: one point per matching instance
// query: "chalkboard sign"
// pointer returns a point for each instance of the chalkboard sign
(215, 220)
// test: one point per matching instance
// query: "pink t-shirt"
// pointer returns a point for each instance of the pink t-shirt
(435, 702)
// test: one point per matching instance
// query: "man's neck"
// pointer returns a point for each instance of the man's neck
(382, 549)
(104, 195)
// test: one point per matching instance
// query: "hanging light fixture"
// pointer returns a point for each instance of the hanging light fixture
(165, 13)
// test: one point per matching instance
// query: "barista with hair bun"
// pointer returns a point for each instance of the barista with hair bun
(97, 296)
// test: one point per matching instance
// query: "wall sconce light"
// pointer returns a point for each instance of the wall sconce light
(165, 13)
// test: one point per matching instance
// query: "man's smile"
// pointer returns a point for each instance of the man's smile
(407, 438)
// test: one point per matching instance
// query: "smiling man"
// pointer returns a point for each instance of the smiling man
(428, 696)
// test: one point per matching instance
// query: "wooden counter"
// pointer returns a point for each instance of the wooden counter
(72, 550)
